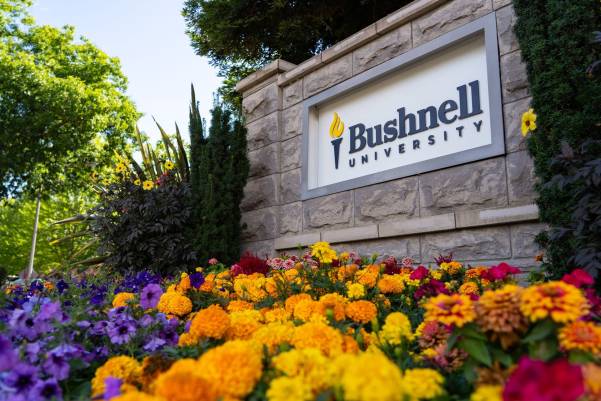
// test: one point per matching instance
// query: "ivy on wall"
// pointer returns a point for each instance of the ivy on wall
(557, 42)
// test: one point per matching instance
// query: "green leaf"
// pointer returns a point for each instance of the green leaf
(544, 350)
(476, 349)
(579, 357)
(541, 330)
(502, 356)
(472, 331)
(452, 340)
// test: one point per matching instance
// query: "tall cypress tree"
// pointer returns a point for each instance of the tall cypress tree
(219, 171)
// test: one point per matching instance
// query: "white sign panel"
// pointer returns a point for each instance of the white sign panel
(437, 107)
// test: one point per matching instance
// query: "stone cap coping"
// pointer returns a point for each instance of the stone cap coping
(291, 72)
(271, 69)
(418, 225)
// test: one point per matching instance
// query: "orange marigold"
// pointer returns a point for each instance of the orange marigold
(308, 309)
(318, 335)
(335, 303)
(454, 309)
(238, 305)
(367, 277)
(184, 283)
(272, 335)
(174, 303)
(233, 368)
(276, 314)
(361, 311)
(120, 367)
(122, 298)
(560, 301)
(475, 272)
(293, 300)
(211, 322)
(469, 288)
(243, 324)
(499, 313)
(183, 382)
(391, 284)
(581, 336)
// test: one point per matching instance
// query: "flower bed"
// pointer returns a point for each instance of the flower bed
(318, 327)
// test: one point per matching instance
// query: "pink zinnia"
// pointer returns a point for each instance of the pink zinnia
(213, 261)
(578, 278)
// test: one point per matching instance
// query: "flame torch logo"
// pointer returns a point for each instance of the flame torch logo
(336, 130)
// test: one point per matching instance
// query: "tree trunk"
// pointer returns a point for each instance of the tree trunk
(34, 237)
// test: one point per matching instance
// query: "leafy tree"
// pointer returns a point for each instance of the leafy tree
(239, 36)
(557, 42)
(219, 168)
(63, 108)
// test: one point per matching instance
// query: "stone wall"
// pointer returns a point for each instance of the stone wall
(483, 211)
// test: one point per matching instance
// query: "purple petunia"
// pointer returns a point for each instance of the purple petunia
(8, 357)
(57, 366)
(154, 344)
(22, 378)
(46, 390)
(149, 298)
(112, 387)
(197, 279)
(120, 333)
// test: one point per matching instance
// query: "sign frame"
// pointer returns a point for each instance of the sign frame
(485, 26)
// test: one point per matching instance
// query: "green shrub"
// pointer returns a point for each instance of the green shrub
(556, 39)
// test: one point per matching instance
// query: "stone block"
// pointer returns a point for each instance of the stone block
(523, 244)
(260, 192)
(389, 200)
(291, 218)
(476, 185)
(259, 224)
(500, 3)
(291, 122)
(446, 18)
(384, 247)
(292, 93)
(261, 103)
(328, 211)
(296, 241)
(514, 78)
(383, 48)
(350, 234)
(475, 244)
(352, 42)
(406, 14)
(475, 218)
(419, 225)
(506, 20)
(262, 249)
(291, 186)
(328, 75)
(263, 131)
(263, 161)
(520, 178)
(291, 153)
(514, 140)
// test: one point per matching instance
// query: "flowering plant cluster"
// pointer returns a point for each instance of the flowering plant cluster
(318, 326)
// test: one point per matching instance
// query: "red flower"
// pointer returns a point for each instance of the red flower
(419, 274)
(249, 264)
(500, 272)
(444, 259)
(544, 381)
(430, 289)
(391, 266)
(578, 278)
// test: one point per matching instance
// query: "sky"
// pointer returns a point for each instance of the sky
(149, 38)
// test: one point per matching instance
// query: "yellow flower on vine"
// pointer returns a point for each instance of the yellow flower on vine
(94, 176)
(169, 165)
(528, 122)
(137, 182)
(106, 182)
(147, 185)
(120, 168)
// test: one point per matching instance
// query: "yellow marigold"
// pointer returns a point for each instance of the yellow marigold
(184, 283)
(183, 382)
(136, 396)
(122, 298)
(391, 284)
(243, 324)
(469, 288)
(361, 311)
(308, 364)
(436, 274)
(452, 267)
(475, 272)
(367, 277)
(344, 256)
(250, 287)
(187, 340)
(272, 335)
(450, 309)
(211, 322)
(318, 335)
(396, 329)
(355, 290)
(350, 345)
(592, 380)
(289, 388)
(308, 310)
(346, 272)
(335, 303)
(276, 315)
(174, 303)
(120, 367)
(322, 252)
(209, 283)
(367, 376)
(487, 392)
(560, 301)
(291, 274)
(233, 368)
(423, 384)
(581, 336)
(293, 300)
